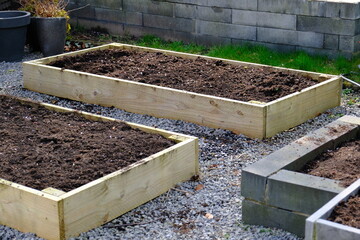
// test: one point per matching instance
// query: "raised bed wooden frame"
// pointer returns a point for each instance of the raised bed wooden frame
(251, 119)
(53, 214)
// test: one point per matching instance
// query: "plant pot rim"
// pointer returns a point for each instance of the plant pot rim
(15, 18)
(37, 17)
(22, 14)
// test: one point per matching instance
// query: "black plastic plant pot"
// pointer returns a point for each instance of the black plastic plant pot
(13, 26)
(47, 35)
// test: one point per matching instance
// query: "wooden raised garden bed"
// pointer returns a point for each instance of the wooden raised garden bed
(278, 194)
(55, 214)
(254, 119)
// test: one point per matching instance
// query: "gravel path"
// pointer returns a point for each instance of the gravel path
(181, 212)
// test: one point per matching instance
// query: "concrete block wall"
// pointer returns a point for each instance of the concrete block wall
(315, 26)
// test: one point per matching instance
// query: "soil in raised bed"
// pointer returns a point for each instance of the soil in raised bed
(203, 76)
(341, 164)
(347, 212)
(40, 148)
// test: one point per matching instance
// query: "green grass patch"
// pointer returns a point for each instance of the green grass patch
(155, 42)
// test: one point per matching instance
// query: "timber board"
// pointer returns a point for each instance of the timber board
(253, 119)
(53, 214)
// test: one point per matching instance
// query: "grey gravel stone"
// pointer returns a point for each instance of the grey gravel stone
(181, 212)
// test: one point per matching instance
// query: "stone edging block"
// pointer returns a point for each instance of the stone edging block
(273, 185)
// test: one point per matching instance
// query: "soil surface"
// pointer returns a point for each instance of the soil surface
(210, 77)
(347, 212)
(341, 164)
(41, 148)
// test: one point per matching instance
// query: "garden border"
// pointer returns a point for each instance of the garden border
(319, 228)
(54, 214)
(277, 196)
(251, 119)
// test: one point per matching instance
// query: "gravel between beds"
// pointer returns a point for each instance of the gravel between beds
(213, 212)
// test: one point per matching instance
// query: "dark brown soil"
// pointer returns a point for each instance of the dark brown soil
(210, 77)
(341, 164)
(41, 148)
(347, 212)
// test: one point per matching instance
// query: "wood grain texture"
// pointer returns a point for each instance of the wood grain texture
(29, 210)
(53, 214)
(240, 117)
(107, 198)
(296, 108)
(215, 112)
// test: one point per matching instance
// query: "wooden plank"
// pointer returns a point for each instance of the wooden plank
(54, 214)
(53, 191)
(296, 108)
(104, 199)
(47, 60)
(29, 210)
(215, 112)
(240, 117)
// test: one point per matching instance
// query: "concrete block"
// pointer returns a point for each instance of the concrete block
(349, 43)
(326, 25)
(150, 7)
(225, 30)
(275, 196)
(208, 40)
(214, 14)
(110, 4)
(134, 18)
(118, 16)
(244, 17)
(259, 214)
(317, 227)
(350, 10)
(293, 157)
(302, 7)
(281, 36)
(310, 39)
(234, 4)
(331, 41)
(192, 2)
(300, 192)
(185, 11)
(253, 184)
(112, 28)
(163, 22)
(166, 34)
(264, 19)
(103, 14)
(279, 6)
(87, 12)
(332, 9)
